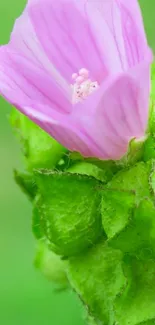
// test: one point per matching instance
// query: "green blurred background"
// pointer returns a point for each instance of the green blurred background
(26, 298)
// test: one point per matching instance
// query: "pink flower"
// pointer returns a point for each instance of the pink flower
(81, 70)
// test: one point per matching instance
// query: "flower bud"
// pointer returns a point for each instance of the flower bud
(51, 265)
(39, 149)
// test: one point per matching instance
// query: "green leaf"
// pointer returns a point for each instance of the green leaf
(117, 284)
(26, 183)
(121, 195)
(69, 206)
(37, 226)
(40, 226)
(135, 232)
(117, 207)
(138, 237)
(85, 168)
(135, 179)
(136, 304)
(152, 179)
(149, 148)
(149, 322)
(109, 167)
(97, 277)
(39, 148)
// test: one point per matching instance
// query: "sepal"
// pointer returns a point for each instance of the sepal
(69, 210)
(90, 169)
(98, 278)
(115, 278)
(122, 194)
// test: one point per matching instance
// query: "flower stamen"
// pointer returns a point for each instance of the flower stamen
(83, 86)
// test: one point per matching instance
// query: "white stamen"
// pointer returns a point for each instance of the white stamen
(74, 76)
(83, 86)
(84, 73)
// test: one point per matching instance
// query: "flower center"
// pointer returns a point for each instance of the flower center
(83, 86)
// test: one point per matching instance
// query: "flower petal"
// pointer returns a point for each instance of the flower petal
(69, 30)
(24, 41)
(64, 31)
(62, 128)
(133, 9)
(135, 41)
(27, 75)
(127, 38)
(53, 39)
(21, 81)
(122, 108)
